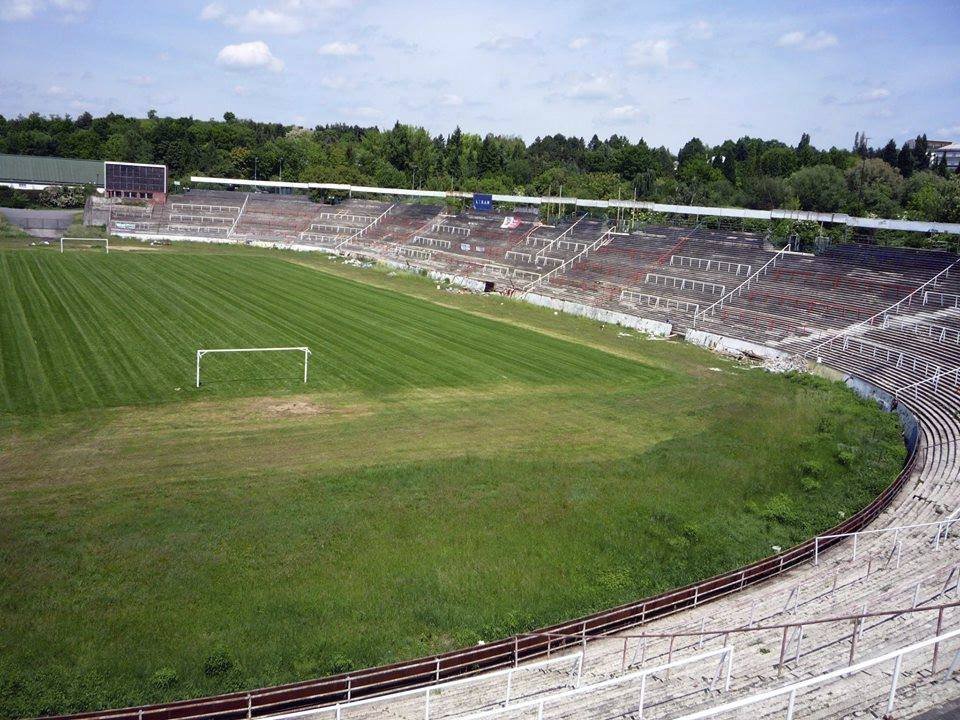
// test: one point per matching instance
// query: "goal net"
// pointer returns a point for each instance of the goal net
(203, 352)
(78, 243)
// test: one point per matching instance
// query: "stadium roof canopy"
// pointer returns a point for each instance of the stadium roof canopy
(35, 170)
(921, 226)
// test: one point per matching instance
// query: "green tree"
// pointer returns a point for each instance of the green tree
(889, 154)
(921, 160)
(693, 149)
(779, 162)
(905, 163)
(820, 188)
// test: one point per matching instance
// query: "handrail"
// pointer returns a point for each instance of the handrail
(726, 659)
(700, 632)
(935, 379)
(746, 283)
(791, 690)
(562, 235)
(588, 249)
(869, 320)
(439, 687)
(236, 220)
(362, 230)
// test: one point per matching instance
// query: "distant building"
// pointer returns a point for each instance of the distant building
(951, 151)
(31, 172)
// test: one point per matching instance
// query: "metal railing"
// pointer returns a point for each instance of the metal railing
(600, 241)
(363, 230)
(932, 379)
(745, 285)
(574, 675)
(724, 670)
(908, 300)
(792, 689)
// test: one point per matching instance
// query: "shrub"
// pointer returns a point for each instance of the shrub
(846, 455)
(216, 664)
(779, 508)
(164, 678)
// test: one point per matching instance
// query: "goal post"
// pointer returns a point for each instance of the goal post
(106, 240)
(207, 351)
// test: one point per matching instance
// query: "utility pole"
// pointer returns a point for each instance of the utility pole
(863, 162)
(254, 167)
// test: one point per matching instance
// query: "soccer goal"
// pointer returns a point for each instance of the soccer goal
(106, 241)
(305, 350)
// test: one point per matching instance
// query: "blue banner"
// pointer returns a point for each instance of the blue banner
(482, 202)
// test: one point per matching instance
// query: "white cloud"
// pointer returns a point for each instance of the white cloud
(213, 11)
(140, 80)
(700, 30)
(875, 95)
(269, 21)
(57, 91)
(254, 55)
(579, 43)
(68, 10)
(592, 87)
(278, 17)
(808, 41)
(650, 53)
(240, 90)
(333, 83)
(339, 49)
(866, 97)
(949, 131)
(451, 100)
(504, 43)
(364, 111)
(624, 114)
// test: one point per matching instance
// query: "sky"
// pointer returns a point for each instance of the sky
(664, 71)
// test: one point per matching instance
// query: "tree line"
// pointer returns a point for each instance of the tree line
(888, 181)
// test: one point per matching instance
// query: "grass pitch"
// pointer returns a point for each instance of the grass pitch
(457, 469)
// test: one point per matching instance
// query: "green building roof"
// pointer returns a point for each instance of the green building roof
(51, 170)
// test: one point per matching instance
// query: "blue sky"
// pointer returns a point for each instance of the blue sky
(662, 71)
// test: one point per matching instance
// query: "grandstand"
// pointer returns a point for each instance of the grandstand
(863, 619)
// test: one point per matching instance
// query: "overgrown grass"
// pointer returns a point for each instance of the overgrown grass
(445, 477)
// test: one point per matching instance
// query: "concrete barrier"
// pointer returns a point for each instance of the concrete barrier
(732, 346)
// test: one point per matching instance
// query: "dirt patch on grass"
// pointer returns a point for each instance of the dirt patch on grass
(301, 407)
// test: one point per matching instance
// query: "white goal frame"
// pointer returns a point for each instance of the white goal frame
(106, 240)
(206, 351)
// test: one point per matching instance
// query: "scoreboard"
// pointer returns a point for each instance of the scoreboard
(136, 180)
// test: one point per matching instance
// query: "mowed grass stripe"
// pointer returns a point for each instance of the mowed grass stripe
(68, 299)
(17, 350)
(95, 330)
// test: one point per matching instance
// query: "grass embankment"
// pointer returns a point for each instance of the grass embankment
(443, 478)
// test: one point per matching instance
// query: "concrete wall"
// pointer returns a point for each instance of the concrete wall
(731, 346)
(651, 327)
(888, 402)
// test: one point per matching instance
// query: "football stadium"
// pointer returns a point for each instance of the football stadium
(471, 448)
(479, 472)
